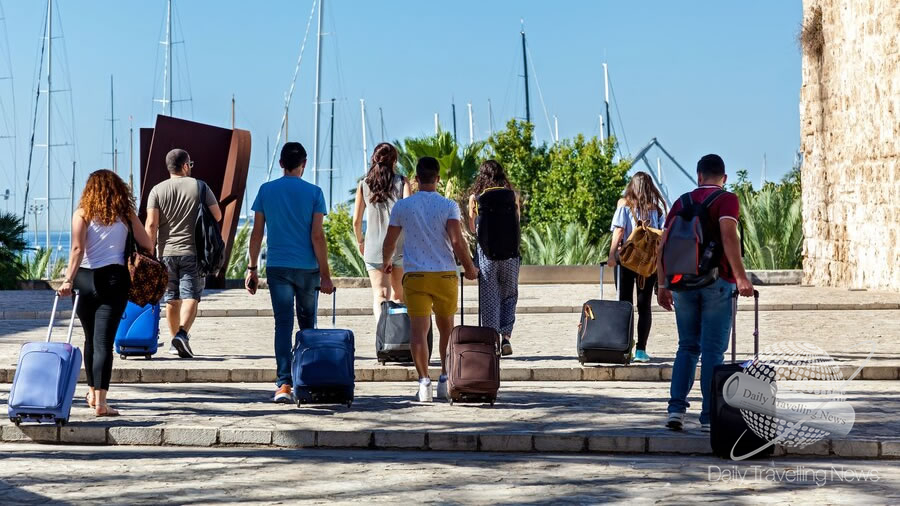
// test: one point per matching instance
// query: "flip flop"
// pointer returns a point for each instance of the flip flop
(87, 399)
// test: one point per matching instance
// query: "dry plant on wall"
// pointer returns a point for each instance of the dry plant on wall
(812, 35)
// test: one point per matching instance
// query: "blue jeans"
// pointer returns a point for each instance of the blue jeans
(703, 318)
(286, 285)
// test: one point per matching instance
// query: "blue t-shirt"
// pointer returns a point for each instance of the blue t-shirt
(288, 203)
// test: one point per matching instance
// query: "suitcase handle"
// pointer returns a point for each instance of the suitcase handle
(462, 310)
(333, 306)
(616, 277)
(71, 322)
(734, 306)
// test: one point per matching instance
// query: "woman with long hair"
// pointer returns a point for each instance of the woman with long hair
(498, 286)
(642, 202)
(376, 195)
(97, 269)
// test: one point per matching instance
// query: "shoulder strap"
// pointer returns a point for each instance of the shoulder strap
(686, 201)
(708, 201)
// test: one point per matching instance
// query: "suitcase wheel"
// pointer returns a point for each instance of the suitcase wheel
(148, 356)
(17, 420)
(123, 356)
(451, 401)
(349, 403)
(382, 362)
(60, 422)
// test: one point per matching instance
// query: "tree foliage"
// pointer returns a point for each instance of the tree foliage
(550, 244)
(773, 222)
(343, 255)
(12, 248)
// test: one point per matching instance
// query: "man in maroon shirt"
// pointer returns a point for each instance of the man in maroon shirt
(703, 316)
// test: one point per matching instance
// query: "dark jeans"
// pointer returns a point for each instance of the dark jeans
(103, 294)
(287, 285)
(627, 283)
(703, 318)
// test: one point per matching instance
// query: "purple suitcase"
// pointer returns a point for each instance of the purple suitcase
(44, 384)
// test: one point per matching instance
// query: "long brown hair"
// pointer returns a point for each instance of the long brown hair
(106, 198)
(642, 196)
(380, 177)
(490, 175)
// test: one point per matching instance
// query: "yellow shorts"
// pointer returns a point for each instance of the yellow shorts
(426, 290)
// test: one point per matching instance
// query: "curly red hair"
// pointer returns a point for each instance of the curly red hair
(106, 198)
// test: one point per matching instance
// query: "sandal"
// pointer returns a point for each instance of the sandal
(89, 399)
(107, 411)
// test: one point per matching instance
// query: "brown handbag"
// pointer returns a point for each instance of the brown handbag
(149, 276)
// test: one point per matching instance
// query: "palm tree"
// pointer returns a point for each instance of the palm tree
(459, 164)
(773, 226)
(550, 244)
(12, 247)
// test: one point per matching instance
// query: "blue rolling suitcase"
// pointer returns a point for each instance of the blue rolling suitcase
(44, 384)
(322, 365)
(138, 332)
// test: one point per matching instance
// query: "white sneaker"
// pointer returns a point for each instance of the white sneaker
(442, 390)
(675, 421)
(173, 350)
(424, 394)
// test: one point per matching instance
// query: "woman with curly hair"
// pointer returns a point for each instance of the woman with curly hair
(499, 278)
(375, 197)
(97, 270)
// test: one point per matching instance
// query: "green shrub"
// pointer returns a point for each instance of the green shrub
(12, 247)
(773, 223)
(571, 244)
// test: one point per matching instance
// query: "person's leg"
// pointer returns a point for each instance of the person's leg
(381, 290)
(419, 306)
(418, 343)
(191, 286)
(397, 284)
(172, 295)
(625, 279)
(444, 289)
(489, 296)
(113, 284)
(508, 277)
(645, 316)
(716, 325)
(281, 291)
(688, 314)
(173, 316)
(306, 290)
(87, 306)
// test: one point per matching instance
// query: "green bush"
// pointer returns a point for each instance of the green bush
(773, 222)
(343, 255)
(12, 248)
(571, 244)
(240, 254)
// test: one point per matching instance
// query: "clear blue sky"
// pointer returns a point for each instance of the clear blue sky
(703, 76)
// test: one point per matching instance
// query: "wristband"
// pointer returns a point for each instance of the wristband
(251, 269)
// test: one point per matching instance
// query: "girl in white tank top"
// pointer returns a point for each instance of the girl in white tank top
(105, 245)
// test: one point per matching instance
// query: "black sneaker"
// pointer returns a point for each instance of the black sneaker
(182, 344)
(505, 347)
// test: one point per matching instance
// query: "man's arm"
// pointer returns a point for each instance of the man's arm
(732, 245)
(359, 207)
(388, 247)
(663, 295)
(152, 225)
(454, 231)
(216, 212)
(320, 246)
(256, 237)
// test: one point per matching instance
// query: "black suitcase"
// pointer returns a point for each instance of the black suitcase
(606, 331)
(726, 422)
(393, 333)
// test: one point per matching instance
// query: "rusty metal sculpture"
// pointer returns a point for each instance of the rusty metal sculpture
(221, 158)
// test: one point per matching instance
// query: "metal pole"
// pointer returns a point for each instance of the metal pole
(437, 124)
(556, 128)
(131, 154)
(232, 111)
(318, 87)
(112, 124)
(453, 111)
(381, 120)
(525, 66)
(331, 161)
(606, 97)
(471, 125)
(167, 98)
(72, 192)
(491, 117)
(362, 115)
(49, 115)
(601, 128)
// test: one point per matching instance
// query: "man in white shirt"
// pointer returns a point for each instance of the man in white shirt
(432, 234)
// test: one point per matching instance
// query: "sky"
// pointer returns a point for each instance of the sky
(701, 76)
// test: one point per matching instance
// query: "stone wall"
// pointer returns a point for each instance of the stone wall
(850, 135)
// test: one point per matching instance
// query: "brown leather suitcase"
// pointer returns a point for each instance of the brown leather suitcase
(473, 360)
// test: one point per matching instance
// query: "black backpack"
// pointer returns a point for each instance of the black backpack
(693, 246)
(498, 224)
(207, 237)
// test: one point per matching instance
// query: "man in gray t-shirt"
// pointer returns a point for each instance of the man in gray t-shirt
(172, 209)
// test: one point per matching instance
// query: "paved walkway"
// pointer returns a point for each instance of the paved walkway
(34, 474)
(528, 416)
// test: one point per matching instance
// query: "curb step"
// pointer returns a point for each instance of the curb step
(200, 436)
(649, 373)
(360, 311)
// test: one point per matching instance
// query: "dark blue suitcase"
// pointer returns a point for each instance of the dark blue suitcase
(138, 333)
(322, 364)
(44, 384)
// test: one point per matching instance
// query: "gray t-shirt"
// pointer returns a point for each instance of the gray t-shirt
(377, 218)
(177, 200)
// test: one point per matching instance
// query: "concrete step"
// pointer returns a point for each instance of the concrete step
(539, 417)
(197, 373)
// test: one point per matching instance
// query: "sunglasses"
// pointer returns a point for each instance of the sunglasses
(190, 164)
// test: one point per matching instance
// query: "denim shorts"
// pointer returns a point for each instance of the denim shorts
(370, 266)
(185, 281)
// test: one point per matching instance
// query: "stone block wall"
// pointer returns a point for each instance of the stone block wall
(850, 135)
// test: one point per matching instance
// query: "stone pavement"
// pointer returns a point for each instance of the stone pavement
(39, 474)
(529, 416)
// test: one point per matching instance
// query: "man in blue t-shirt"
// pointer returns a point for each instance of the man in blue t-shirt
(297, 260)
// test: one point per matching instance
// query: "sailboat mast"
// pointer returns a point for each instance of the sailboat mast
(331, 161)
(525, 67)
(606, 98)
(49, 116)
(169, 62)
(112, 125)
(381, 120)
(317, 100)
(362, 115)
(130, 155)
(471, 124)
(453, 110)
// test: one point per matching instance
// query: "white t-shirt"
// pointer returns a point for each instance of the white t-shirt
(423, 218)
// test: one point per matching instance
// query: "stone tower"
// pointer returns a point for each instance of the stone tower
(850, 135)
